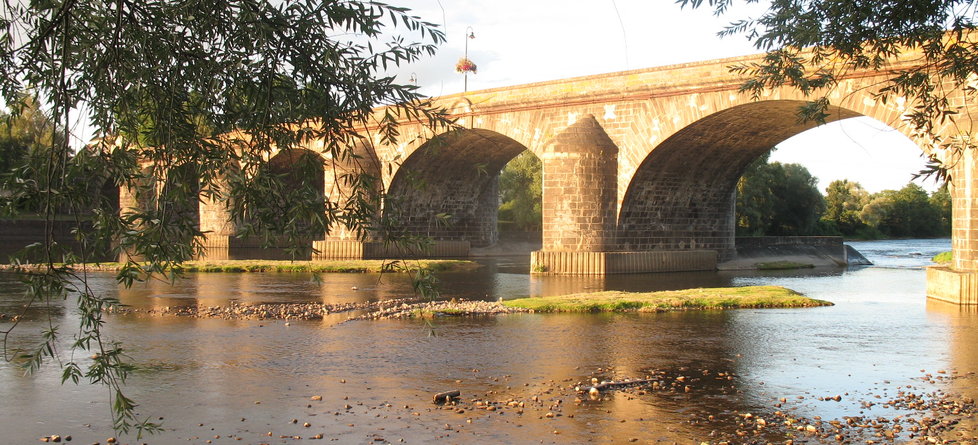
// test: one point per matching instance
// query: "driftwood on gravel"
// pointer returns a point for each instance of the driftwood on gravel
(447, 396)
(613, 385)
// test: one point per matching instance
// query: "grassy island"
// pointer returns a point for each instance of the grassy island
(689, 299)
(942, 258)
(326, 266)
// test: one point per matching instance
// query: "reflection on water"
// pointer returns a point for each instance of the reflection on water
(962, 347)
(880, 335)
(496, 279)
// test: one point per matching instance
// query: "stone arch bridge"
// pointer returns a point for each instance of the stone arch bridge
(639, 168)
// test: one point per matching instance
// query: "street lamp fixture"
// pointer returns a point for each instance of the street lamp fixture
(469, 34)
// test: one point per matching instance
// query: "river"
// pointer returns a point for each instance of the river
(254, 381)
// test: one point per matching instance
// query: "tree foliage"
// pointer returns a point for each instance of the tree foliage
(905, 213)
(812, 45)
(521, 193)
(843, 202)
(27, 136)
(191, 100)
(23, 130)
(777, 199)
(941, 202)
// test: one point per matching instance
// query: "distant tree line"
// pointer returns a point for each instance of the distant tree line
(27, 136)
(25, 131)
(783, 199)
(521, 194)
(29, 142)
(906, 213)
(772, 199)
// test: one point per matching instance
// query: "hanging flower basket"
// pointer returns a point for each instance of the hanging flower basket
(465, 65)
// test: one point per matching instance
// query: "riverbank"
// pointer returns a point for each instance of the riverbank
(323, 266)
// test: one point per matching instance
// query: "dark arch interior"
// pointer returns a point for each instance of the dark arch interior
(179, 197)
(682, 196)
(292, 201)
(301, 172)
(352, 181)
(448, 189)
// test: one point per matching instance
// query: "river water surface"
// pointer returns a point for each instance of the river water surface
(245, 381)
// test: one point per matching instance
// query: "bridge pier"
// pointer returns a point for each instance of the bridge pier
(140, 197)
(218, 228)
(580, 174)
(958, 283)
(580, 171)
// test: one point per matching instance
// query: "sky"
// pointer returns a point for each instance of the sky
(524, 41)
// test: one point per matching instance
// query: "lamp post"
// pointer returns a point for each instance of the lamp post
(468, 35)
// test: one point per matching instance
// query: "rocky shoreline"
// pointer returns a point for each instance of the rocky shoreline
(911, 413)
(442, 308)
(374, 310)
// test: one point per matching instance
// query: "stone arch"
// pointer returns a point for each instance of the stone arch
(448, 190)
(531, 129)
(353, 185)
(179, 194)
(335, 176)
(682, 195)
(302, 171)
